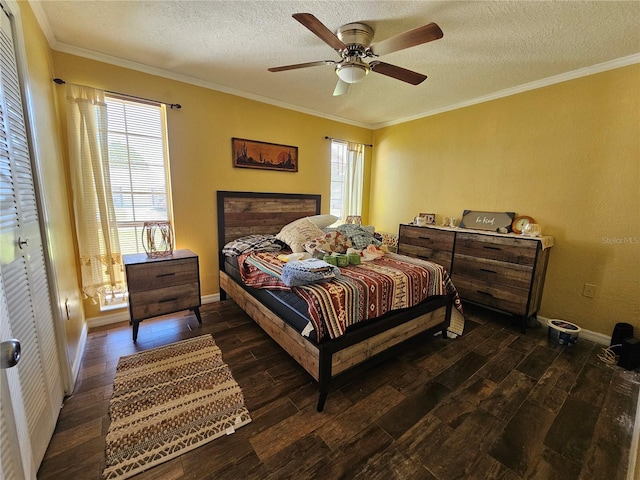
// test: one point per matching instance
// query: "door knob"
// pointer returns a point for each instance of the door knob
(9, 353)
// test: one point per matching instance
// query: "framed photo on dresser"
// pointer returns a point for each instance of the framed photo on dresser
(429, 218)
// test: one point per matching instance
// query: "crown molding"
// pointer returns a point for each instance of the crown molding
(545, 82)
(43, 21)
(140, 67)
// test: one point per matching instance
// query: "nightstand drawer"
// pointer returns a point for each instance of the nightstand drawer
(149, 276)
(503, 249)
(151, 303)
(492, 272)
(510, 299)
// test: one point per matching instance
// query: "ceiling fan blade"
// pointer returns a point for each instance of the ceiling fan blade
(317, 27)
(301, 65)
(342, 87)
(417, 36)
(398, 73)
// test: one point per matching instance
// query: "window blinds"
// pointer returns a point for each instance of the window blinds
(138, 164)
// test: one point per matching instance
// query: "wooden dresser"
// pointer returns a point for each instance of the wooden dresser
(501, 271)
(162, 285)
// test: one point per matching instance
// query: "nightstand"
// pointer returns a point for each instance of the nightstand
(162, 285)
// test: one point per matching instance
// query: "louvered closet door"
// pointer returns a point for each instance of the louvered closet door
(22, 266)
(11, 420)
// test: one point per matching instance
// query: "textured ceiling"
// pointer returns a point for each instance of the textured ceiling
(488, 47)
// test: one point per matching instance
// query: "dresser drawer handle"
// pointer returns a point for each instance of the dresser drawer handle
(487, 270)
(168, 300)
(166, 274)
(424, 238)
(423, 257)
(491, 248)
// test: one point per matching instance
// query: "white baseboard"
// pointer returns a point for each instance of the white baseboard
(595, 337)
(122, 315)
(210, 298)
(77, 361)
(599, 338)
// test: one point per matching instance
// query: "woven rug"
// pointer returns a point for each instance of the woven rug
(168, 401)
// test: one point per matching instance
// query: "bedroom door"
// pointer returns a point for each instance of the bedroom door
(32, 391)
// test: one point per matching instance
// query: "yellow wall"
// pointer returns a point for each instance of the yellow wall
(200, 148)
(568, 155)
(51, 177)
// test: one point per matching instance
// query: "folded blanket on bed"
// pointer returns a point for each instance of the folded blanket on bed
(305, 272)
(249, 243)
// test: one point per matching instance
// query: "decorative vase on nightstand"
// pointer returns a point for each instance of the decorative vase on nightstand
(157, 239)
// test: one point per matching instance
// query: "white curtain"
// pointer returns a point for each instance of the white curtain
(96, 227)
(354, 178)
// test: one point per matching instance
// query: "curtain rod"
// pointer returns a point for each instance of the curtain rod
(341, 140)
(59, 81)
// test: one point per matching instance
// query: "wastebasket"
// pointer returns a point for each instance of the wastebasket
(621, 332)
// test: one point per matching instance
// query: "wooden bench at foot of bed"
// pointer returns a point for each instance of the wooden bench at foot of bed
(351, 353)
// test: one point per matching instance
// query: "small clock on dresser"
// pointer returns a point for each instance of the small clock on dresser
(519, 223)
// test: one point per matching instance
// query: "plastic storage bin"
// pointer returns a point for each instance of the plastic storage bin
(563, 333)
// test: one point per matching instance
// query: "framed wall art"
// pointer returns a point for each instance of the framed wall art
(263, 155)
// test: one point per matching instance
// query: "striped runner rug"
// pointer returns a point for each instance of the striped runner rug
(168, 401)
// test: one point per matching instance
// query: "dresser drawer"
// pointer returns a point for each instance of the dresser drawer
(493, 272)
(503, 297)
(427, 237)
(156, 275)
(426, 243)
(435, 256)
(503, 249)
(151, 303)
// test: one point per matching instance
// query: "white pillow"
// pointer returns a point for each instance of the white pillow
(323, 221)
(298, 232)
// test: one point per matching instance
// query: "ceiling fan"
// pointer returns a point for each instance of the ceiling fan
(353, 43)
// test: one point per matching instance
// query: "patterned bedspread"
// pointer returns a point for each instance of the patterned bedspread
(362, 292)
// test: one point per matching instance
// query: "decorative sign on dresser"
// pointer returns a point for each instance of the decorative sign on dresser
(490, 221)
(501, 271)
(162, 285)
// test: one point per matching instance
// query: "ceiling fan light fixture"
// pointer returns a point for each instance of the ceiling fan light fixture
(352, 72)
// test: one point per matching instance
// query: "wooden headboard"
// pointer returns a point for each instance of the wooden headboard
(248, 213)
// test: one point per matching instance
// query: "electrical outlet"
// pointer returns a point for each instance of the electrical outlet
(589, 290)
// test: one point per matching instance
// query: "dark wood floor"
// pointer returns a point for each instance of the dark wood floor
(492, 404)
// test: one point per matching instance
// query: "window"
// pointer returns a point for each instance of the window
(119, 177)
(347, 176)
(138, 167)
(138, 170)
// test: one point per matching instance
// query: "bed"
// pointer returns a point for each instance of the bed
(284, 315)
